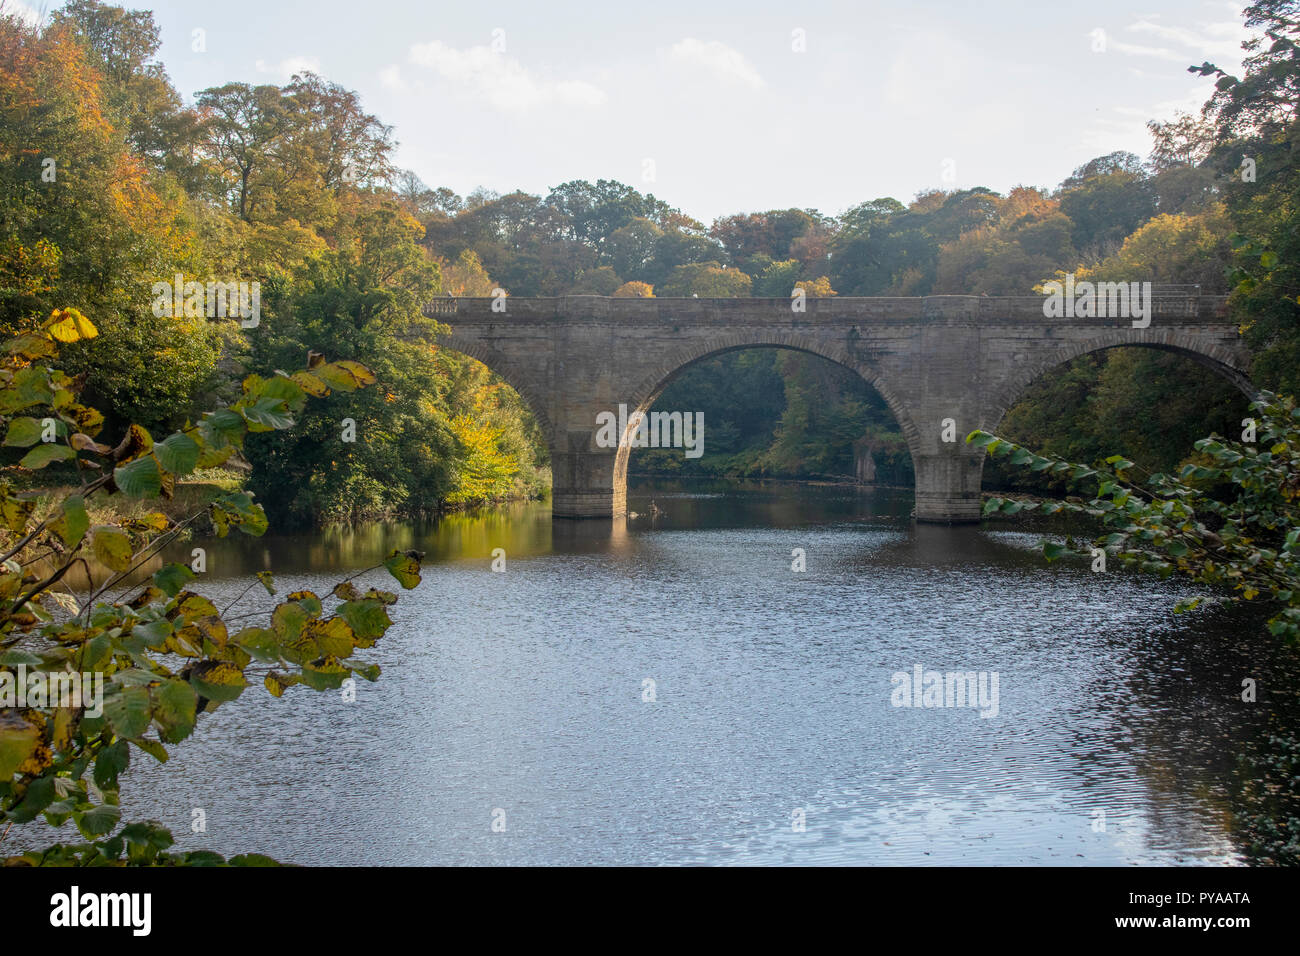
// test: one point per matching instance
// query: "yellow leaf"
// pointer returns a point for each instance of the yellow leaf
(69, 325)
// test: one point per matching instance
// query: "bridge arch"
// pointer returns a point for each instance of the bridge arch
(652, 384)
(498, 363)
(1229, 363)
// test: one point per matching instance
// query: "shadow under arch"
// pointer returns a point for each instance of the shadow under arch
(1226, 363)
(652, 385)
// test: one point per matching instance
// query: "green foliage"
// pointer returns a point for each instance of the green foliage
(1254, 119)
(1148, 404)
(1232, 523)
(159, 655)
(414, 441)
(779, 413)
(136, 844)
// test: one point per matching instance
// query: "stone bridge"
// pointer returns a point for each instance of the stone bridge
(944, 364)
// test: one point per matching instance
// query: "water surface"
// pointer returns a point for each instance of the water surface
(522, 696)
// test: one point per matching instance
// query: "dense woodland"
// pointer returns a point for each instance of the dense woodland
(294, 186)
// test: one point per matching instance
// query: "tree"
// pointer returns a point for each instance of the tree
(135, 673)
(1255, 117)
(465, 276)
(706, 280)
(753, 240)
(348, 146)
(1265, 98)
(631, 248)
(410, 440)
(86, 223)
(1106, 199)
(593, 213)
(1184, 141)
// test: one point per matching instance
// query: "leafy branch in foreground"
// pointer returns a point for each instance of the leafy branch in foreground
(1233, 522)
(85, 683)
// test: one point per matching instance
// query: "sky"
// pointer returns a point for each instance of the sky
(719, 108)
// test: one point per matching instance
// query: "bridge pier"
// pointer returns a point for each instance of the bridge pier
(583, 483)
(948, 488)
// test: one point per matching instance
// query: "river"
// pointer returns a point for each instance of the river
(670, 691)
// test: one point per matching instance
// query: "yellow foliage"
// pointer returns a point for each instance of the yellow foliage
(635, 290)
(817, 288)
(487, 472)
(69, 325)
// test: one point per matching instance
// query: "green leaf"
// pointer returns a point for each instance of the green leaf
(218, 680)
(71, 526)
(111, 761)
(127, 711)
(368, 619)
(324, 674)
(140, 478)
(29, 386)
(178, 454)
(14, 657)
(280, 387)
(111, 547)
(40, 794)
(97, 821)
(259, 642)
(238, 510)
(171, 578)
(405, 567)
(23, 432)
(1052, 551)
(174, 709)
(44, 454)
(225, 426)
(153, 748)
(204, 858)
(268, 414)
(308, 601)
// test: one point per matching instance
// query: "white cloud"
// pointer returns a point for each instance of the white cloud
(286, 68)
(501, 81)
(1220, 40)
(20, 10)
(390, 78)
(1135, 49)
(719, 59)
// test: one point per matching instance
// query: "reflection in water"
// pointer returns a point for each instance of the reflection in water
(525, 692)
